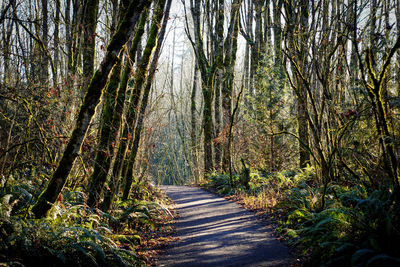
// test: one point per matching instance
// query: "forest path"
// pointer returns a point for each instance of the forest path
(213, 231)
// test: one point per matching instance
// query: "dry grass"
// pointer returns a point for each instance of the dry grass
(265, 200)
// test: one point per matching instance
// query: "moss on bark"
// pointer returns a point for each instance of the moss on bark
(107, 130)
(227, 87)
(89, 41)
(90, 101)
(114, 182)
(140, 78)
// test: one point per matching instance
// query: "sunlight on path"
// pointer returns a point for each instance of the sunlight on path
(215, 232)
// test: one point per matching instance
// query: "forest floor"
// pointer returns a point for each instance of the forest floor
(213, 231)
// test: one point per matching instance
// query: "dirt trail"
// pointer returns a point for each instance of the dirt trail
(215, 232)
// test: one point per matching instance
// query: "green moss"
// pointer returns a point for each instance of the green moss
(139, 81)
(87, 110)
(104, 152)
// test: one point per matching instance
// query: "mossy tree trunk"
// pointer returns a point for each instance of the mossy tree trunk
(44, 64)
(127, 78)
(92, 97)
(6, 40)
(278, 62)
(207, 71)
(297, 39)
(218, 120)
(397, 68)
(227, 87)
(207, 89)
(193, 128)
(116, 125)
(375, 92)
(105, 149)
(255, 47)
(304, 155)
(140, 78)
(90, 10)
(117, 120)
(123, 141)
(114, 97)
(219, 44)
(56, 43)
(145, 98)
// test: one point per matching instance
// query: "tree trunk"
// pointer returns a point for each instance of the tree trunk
(126, 77)
(218, 123)
(68, 38)
(104, 152)
(44, 64)
(208, 125)
(278, 65)
(397, 12)
(227, 87)
(92, 97)
(117, 119)
(193, 130)
(90, 8)
(6, 45)
(147, 88)
(56, 43)
(207, 75)
(140, 78)
(299, 41)
(219, 44)
(304, 156)
(255, 48)
(109, 126)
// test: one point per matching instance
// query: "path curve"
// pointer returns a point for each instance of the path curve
(213, 231)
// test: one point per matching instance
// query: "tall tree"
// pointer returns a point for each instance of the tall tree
(90, 10)
(193, 123)
(207, 69)
(105, 151)
(219, 58)
(92, 97)
(230, 49)
(123, 142)
(110, 123)
(44, 71)
(296, 30)
(56, 41)
(149, 74)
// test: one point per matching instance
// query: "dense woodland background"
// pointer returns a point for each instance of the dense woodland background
(291, 106)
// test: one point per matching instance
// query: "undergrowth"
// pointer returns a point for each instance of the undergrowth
(356, 227)
(74, 234)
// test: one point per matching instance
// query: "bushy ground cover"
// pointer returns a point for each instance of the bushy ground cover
(356, 226)
(75, 235)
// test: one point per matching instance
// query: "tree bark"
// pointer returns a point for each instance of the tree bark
(304, 157)
(56, 43)
(90, 10)
(227, 87)
(92, 97)
(296, 35)
(146, 91)
(255, 48)
(219, 44)
(125, 130)
(397, 12)
(104, 152)
(207, 88)
(140, 78)
(193, 122)
(207, 71)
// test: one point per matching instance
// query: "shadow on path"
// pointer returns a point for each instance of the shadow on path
(215, 232)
